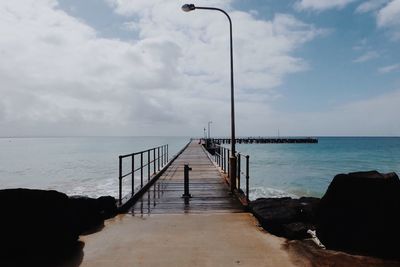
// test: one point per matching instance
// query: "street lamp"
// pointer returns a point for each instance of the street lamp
(209, 128)
(232, 159)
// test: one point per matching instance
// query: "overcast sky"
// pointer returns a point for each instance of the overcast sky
(144, 67)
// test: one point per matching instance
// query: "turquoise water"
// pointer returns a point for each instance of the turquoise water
(89, 165)
(307, 169)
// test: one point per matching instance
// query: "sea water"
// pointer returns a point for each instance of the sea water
(89, 165)
(73, 165)
(307, 169)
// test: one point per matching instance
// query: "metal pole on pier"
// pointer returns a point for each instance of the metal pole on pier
(209, 129)
(232, 159)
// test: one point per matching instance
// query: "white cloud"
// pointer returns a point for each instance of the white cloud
(367, 56)
(321, 5)
(389, 18)
(371, 5)
(59, 77)
(389, 15)
(390, 68)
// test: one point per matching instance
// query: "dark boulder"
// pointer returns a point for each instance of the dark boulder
(38, 223)
(108, 206)
(90, 213)
(359, 213)
(287, 217)
(35, 219)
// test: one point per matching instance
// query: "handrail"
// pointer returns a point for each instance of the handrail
(221, 158)
(152, 161)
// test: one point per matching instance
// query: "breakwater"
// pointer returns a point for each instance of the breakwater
(266, 140)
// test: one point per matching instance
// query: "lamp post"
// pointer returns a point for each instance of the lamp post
(232, 159)
(209, 129)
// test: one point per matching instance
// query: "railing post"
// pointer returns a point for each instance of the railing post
(167, 154)
(148, 165)
(154, 161)
(220, 157)
(133, 174)
(229, 169)
(223, 159)
(162, 157)
(141, 169)
(158, 157)
(238, 170)
(247, 178)
(120, 180)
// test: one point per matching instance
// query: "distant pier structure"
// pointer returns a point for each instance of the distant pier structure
(265, 140)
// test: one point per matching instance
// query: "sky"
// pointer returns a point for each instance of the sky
(145, 68)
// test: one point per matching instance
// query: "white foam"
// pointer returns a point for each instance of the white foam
(267, 192)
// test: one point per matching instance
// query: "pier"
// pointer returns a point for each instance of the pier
(166, 226)
(266, 140)
(207, 187)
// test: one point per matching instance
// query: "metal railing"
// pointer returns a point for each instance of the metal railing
(149, 162)
(221, 157)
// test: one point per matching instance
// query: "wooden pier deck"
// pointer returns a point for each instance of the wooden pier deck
(209, 191)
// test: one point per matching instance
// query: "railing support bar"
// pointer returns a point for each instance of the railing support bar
(120, 180)
(141, 169)
(133, 175)
(247, 178)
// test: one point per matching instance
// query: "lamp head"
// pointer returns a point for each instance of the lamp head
(188, 7)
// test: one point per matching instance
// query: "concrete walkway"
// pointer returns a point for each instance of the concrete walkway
(162, 229)
(216, 239)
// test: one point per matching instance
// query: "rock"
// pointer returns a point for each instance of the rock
(86, 213)
(359, 213)
(90, 213)
(286, 217)
(297, 230)
(34, 222)
(108, 207)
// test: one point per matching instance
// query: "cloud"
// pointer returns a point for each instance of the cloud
(321, 5)
(389, 15)
(388, 18)
(367, 56)
(371, 5)
(390, 68)
(59, 77)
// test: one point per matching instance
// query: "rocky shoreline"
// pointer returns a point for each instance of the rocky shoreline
(359, 214)
(44, 226)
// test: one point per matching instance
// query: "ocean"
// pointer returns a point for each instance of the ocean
(89, 165)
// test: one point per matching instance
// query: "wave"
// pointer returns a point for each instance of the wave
(267, 192)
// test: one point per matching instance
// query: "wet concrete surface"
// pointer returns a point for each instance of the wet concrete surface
(217, 239)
